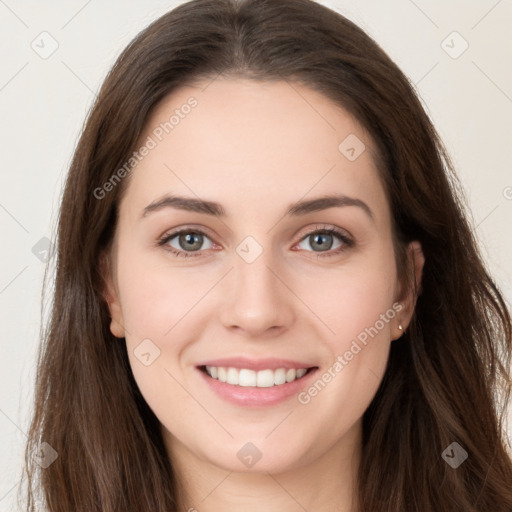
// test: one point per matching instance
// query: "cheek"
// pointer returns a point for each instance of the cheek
(158, 310)
(154, 295)
(358, 308)
(352, 299)
(356, 304)
(359, 313)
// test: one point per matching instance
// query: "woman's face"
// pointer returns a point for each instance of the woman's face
(257, 279)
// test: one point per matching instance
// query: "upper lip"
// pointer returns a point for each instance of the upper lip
(256, 364)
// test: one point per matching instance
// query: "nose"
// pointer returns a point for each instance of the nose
(259, 302)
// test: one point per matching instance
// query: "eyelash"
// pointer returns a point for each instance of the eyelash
(347, 242)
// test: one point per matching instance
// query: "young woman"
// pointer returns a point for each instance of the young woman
(267, 294)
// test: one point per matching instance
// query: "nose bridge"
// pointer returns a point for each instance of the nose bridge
(257, 298)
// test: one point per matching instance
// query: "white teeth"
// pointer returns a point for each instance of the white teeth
(279, 376)
(260, 379)
(290, 375)
(265, 378)
(232, 376)
(245, 377)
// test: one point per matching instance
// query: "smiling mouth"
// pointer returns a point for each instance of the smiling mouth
(244, 377)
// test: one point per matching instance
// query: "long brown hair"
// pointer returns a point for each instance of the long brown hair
(444, 374)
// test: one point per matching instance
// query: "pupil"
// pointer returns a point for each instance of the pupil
(189, 238)
(322, 245)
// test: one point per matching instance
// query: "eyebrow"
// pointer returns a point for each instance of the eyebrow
(217, 210)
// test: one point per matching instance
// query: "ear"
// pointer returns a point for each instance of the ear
(111, 296)
(409, 295)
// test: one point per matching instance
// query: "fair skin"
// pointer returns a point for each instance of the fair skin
(256, 148)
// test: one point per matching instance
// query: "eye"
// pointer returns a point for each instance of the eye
(323, 239)
(189, 239)
(189, 242)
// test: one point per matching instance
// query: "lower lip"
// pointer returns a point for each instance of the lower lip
(251, 396)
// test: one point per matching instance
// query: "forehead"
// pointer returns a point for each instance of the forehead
(242, 142)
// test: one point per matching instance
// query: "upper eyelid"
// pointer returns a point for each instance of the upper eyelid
(307, 232)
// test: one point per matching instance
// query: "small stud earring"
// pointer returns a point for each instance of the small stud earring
(400, 327)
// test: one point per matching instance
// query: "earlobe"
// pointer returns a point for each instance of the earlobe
(111, 297)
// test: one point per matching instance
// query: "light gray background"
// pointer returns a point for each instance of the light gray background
(43, 104)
